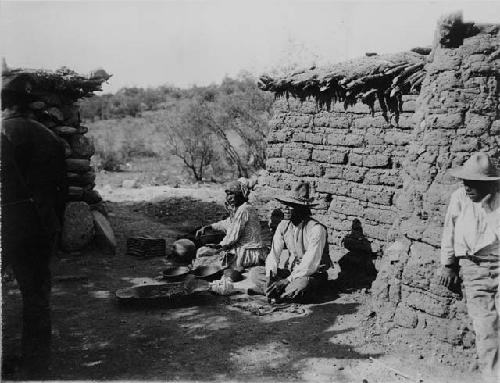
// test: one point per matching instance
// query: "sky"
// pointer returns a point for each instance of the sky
(189, 42)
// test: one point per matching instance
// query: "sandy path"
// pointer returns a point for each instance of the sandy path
(156, 193)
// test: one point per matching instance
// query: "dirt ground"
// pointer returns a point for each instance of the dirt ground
(211, 338)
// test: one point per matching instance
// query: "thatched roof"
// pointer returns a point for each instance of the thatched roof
(378, 77)
(62, 81)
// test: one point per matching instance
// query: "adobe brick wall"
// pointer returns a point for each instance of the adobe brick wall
(394, 178)
(351, 159)
(457, 113)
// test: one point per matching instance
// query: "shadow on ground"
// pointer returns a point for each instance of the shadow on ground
(97, 338)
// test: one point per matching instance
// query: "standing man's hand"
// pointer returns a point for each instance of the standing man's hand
(448, 276)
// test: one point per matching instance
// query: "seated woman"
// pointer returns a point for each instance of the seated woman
(242, 246)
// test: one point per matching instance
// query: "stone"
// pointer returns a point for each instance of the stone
(355, 159)
(71, 115)
(67, 147)
(376, 231)
(83, 179)
(51, 98)
(65, 130)
(81, 146)
(313, 170)
(349, 206)
(406, 121)
(495, 128)
(345, 140)
(370, 122)
(450, 331)
(75, 193)
(464, 144)
(78, 165)
(409, 106)
(100, 207)
(55, 114)
(438, 137)
(274, 151)
(297, 122)
(446, 121)
(82, 129)
(331, 120)
(380, 215)
(353, 173)
(332, 187)
(37, 105)
(276, 164)
(330, 156)
(376, 161)
(334, 172)
(405, 316)
(374, 139)
(91, 197)
(296, 152)
(276, 137)
(383, 196)
(314, 138)
(78, 226)
(475, 124)
(425, 301)
(103, 230)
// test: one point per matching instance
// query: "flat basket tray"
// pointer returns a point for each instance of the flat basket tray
(152, 292)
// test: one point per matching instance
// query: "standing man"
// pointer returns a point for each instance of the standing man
(33, 196)
(471, 241)
(307, 260)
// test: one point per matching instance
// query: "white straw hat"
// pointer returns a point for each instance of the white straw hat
(479, 167)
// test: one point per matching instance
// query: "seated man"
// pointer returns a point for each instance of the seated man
(306, 241)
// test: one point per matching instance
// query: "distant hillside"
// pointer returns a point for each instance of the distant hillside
(212, 130)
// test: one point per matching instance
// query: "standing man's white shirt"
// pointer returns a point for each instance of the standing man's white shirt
(470, 228)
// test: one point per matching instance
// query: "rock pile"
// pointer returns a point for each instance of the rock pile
(393, 177)
(55, 105)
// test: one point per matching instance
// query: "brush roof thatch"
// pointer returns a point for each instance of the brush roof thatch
(376, 77)
(63, 81)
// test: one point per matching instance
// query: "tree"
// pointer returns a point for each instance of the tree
(243, 109)
(190, 140)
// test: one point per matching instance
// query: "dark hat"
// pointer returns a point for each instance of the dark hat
(479, 167)
(300, 196)
(19, 83)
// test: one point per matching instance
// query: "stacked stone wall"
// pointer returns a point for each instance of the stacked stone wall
(62, 116)
(56, 107)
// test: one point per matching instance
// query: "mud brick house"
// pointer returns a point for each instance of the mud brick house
(55, 104)
(376, 138)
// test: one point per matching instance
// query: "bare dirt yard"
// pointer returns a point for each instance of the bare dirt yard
(211, 338)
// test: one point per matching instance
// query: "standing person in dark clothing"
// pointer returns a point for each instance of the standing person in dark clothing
(33, 194)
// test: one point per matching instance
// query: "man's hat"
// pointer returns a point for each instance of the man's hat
(19, 83)
(300, 196)
(479, 167)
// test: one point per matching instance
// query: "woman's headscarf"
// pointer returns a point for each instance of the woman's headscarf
(238, 187)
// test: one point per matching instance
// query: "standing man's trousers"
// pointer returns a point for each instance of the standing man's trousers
(481, 281)
(30, 263)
